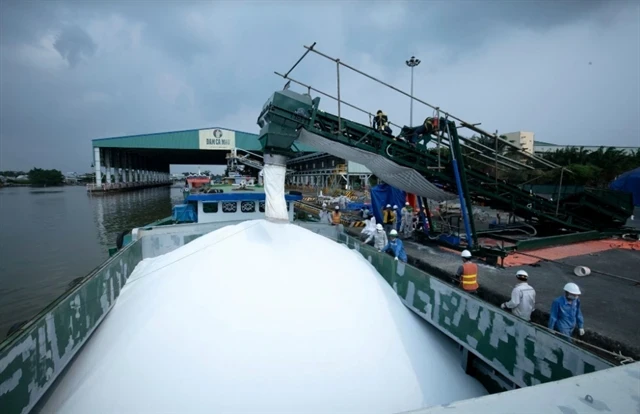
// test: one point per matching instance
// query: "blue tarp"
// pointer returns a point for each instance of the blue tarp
(184, 213)
(357, 206)
(629, 182)
(384, 194)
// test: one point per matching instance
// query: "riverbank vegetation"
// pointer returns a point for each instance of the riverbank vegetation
(45, 178)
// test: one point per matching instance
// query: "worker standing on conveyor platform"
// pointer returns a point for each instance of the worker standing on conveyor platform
(396, 246)
(379, 238)
(467, 274)
(523, 297)
(381, 122)
(565, 312)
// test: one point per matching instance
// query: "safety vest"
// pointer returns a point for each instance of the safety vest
(385, 216)
(469, 277)
(335, 217)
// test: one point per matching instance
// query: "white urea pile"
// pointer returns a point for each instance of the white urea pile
(261, 317)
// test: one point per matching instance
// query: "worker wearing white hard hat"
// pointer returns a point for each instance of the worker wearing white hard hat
(336, 216)
(523, 297)
(565, 313)
(379, 238)
(325, 216)
(395, 217)
(467, 274)
(395, 246)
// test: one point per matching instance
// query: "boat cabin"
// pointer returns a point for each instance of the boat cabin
(221, 207)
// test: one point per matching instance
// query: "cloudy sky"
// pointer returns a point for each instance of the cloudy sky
(72, 71)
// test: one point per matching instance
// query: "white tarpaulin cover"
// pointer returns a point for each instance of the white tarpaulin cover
(275, 203)
(403, 178)
(254, 318)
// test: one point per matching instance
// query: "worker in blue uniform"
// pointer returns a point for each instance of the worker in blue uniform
(396, 246)
(566, 314)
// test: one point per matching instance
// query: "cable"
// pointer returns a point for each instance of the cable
(624, 359)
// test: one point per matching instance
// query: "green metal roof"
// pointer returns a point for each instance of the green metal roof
(188, 139)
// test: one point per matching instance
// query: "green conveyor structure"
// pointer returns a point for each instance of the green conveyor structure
(287, 114)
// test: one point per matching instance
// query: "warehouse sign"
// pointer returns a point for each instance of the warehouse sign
(217, 139)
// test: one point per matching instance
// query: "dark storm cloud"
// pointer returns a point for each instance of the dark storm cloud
(72, 71)
(74, 44)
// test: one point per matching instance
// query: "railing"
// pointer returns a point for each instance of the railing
(521, 352)
(32, 358)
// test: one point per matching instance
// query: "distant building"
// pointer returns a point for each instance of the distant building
(522, 139)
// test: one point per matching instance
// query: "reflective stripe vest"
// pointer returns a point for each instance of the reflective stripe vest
(335, 217)
(469, 277)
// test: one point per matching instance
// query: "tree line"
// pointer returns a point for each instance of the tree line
(36, 177)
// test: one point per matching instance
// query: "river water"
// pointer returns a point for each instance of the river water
(50, 236)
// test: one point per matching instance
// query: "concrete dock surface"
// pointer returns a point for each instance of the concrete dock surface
(610, 305)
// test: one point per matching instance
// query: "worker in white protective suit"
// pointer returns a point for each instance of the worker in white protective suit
(369, 227)
(325, 216)
(406, 226)
(342, 202)
(379, 238)
(523, 297)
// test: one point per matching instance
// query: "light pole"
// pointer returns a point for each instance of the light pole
(412, 63)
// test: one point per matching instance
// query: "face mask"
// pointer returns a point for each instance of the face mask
(571, 297)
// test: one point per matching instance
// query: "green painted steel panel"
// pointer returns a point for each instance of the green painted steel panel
(518, 350)
(188, 139)
(31, 360)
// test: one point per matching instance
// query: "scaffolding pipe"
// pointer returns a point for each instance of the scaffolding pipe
(300, 60)
(338, 78)
(496, 171)
(304, 85)
(559, 191)
(468, 125)
(497, 155)
(439, 135)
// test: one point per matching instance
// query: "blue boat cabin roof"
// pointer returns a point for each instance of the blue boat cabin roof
(237, 197)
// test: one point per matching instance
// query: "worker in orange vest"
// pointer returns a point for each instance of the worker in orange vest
(336, 216)
(467, 273)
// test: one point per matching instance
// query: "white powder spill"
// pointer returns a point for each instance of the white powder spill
(261, 317)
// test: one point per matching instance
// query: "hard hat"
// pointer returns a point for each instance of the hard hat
(407, 203)
(379, 111)
(388, 206)
(521, 274)
(466, 254)
(395, 207)
(324, 204)
(378, 226)
(393, 232)
(572, 288)
(337, 208)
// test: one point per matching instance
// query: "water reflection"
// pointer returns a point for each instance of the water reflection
(49, 237)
